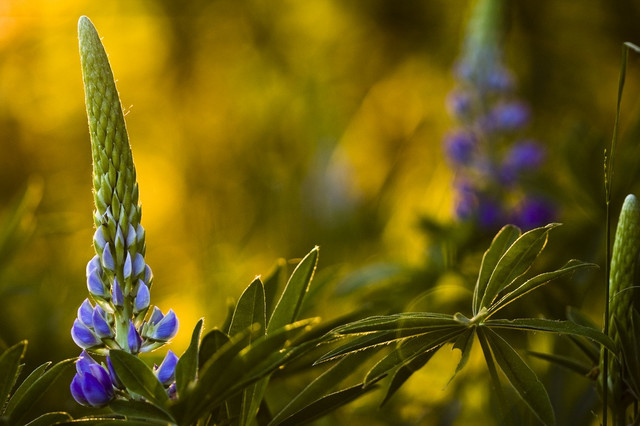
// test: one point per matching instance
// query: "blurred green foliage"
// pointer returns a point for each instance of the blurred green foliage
(260, 129)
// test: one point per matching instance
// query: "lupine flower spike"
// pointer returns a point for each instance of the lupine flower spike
(118, 279)
(486, 151)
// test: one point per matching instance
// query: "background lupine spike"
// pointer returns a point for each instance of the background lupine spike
(626, 248)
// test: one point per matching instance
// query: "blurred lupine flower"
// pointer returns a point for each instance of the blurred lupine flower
(488, 158)
(92, 385)
(166, 372)
(118, 279)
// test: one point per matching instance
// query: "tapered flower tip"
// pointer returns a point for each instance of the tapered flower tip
(166, 372)
(112, 373)
(85, 313)
(107, 258)
(83, 336)
(100, 324)
(127, 268)
(156, 316)
(148, 275)
(84, 362)
(138, 265)
(143, 298)
(133, 339)
(131, 236)
(93, 264)
(167, 328)
(99, 240)
(95, 285)
(118, 297)
(76, 390)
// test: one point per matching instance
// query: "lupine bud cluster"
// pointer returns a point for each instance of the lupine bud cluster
(489, 157)
(118, 313)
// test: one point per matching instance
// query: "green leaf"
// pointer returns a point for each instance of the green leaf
(522, 378)
(501, 242)
(360, 343)
(553, 326)
(25, 385)
(105, 420)
(211, 343)
(288, 307)
(320, 386)
(515, 262)
(537, 281)
(464, 342)
(138, 378)
(324, 406)
(187, 367)
(408, 350)
(49, 419)
(272, 283)
(9, 369)
(249, 310)
(419, 322)
(140, 409)
(564, 361)
(22, 403)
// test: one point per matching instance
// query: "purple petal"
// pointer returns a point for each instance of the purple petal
(138, 265)
(100, 324)
(95, 392)
(143, 297)
(126, 269)
(84, 362)
(76, 390)
(85, 313)
(112, 373)
(131, 236)
(94, 284)
(156, 316)
(166, 371)
(133, 339)
(94, 264)
(118, 297)
(167, 327)
(99, 240)
(83, 336)
(107, 258)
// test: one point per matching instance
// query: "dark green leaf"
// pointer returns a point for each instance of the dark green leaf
(464, 342)
(249, 310)
(553, 326)
(140, 409)
(360, 343)
(522, 378)
(25, 385)
(107, 421)
(325, 405)
(564, 361)
(272, 283)
(49, 419)
(187, 367)
(138, 378)
(320, 386)
(288, 307)
(515, 262)
(501, 242)
(409, 349)
(25, 401)
(630, 347)
(537, 281)
(418, 321)
(211, 342)
(9, 369)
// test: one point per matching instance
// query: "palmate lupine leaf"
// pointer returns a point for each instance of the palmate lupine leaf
(501, 242)
(143, 410)
(210, 344)
(49, 419)
(274, 281)
(515, 262)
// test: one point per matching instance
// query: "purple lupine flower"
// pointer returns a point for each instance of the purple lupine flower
(92, 385)
(460, 146)
(127, 267)
(167, 369)
(117, 296)
(167, 328)
(114, 376)
(142, 298)
(85, 313)
(134, 340)
(95, 284)
(534, 212)
(107, 258)
(100, 324)
(83, 336)
(138, 265)
(486, 150)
